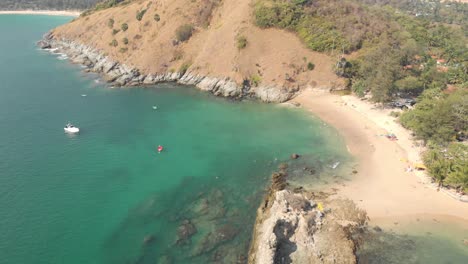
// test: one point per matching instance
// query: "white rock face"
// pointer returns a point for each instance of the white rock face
(123, 75)
(294, 230)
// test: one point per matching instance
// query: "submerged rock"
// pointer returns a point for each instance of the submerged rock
(283, 166)
(185, 231)
(215, 238)
(375, 247)
(164, 260)
(295, 156)
(149, 239)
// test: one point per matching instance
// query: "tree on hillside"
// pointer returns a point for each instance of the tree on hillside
(449, 165)
(438, 117)
(379, 69)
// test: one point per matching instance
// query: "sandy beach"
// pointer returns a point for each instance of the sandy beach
(42, 12)
(382, 185)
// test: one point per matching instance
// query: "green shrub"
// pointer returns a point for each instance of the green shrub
(157, 17)
(184, 67)
(124, 27)
(409, 84)
(107, 4)
(310, 66)
(123, 50)
(438, 117)
(114, 43)
(241, 42)
(255, 80)
(359, 88)
(115, 31)
(140, 14)
(277, 14)
(449, 165)
(395, 114)
(178, 55)
(125, 41)
(321, 35)
(86, 13)
(110, 23)
(103, 4)
(184, 32)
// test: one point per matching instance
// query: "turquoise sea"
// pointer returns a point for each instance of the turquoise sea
(107, 196)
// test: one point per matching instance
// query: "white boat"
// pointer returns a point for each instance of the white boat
(335, 165)
(155, 107)
(69, 128)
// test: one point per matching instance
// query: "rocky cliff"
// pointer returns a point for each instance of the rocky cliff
(122, 75)
(140, 42)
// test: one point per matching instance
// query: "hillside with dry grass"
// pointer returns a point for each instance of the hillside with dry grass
(222, 41)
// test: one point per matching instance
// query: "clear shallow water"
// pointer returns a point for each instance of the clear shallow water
(105, 195)
(417, 239)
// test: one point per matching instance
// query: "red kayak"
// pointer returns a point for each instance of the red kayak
(160, 148)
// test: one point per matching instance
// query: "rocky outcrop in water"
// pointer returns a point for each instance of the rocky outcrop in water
(295, 230)
(292, 228)
(123, 75)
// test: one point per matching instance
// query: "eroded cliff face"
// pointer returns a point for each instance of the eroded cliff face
(272, 66)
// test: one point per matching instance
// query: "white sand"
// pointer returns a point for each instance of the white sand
(382, 186)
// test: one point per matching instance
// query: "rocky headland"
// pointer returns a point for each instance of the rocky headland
(222, 51)
(119, 74)
(296, 226)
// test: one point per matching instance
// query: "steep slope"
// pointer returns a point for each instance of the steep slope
(270, 57)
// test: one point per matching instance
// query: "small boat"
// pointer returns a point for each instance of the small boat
(335, 165)
(160, 149)
(155, 107)
(69, 128)
(84, 95)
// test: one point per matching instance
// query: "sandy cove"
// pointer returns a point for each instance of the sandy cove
(382, 186)
(42, 12)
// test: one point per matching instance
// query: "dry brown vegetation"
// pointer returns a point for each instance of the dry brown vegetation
(274, 55)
